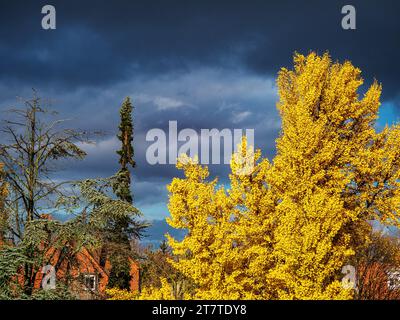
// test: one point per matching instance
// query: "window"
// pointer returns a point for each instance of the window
(90, 281)
(393, 281)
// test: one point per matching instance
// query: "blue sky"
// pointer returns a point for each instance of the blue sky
(205, 64)
(388, 114)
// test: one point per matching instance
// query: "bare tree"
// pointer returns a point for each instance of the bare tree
(377, 266)
(33, 142)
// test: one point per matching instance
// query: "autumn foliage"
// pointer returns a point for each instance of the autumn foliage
(283, 229)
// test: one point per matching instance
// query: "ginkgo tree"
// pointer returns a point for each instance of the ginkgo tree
(284, 229)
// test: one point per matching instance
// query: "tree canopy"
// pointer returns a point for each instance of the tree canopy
(285, 228)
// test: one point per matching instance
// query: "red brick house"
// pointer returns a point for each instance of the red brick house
(87, 277)
(378, 281)
(84, 274)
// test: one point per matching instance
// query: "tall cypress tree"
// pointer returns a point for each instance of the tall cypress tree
(122, 187)
(122, 229)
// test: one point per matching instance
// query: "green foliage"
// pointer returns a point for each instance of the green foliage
(93, 208)
(11, 260)
(61, 292)
(98, 206)
(164, 247)
(120, 272)
(99, 219)
(126, 153)
(121, 230)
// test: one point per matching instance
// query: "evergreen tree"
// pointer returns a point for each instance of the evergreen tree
(164, 248)
(122, 187)
(123, 228)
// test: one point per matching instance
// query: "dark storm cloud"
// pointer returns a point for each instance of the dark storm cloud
(205, 98)
(374, 46)
(101, 42)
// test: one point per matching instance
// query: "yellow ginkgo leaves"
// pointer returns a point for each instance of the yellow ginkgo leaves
(284, 229)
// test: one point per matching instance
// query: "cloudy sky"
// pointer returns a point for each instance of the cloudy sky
(205, 64)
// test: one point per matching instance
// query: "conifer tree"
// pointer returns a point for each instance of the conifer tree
(122, 229)
(126, 153)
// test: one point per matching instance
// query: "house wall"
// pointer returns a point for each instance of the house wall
(86, 263)
(135, 276)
